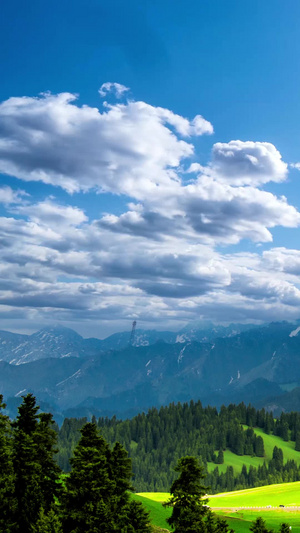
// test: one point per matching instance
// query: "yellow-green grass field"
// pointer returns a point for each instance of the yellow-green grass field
(237, 461)
(240, 508)
(287, 494)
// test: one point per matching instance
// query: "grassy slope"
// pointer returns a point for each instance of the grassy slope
(274, 495)
(287, 494)
(237, 461)
(241, 521)
(158, 513)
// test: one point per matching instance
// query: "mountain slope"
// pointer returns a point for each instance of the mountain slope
(252, 366)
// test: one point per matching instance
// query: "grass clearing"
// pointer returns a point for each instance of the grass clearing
(270, 441)
(237, 461)
(287, 494)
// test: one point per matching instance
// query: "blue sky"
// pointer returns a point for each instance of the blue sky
(120, 204)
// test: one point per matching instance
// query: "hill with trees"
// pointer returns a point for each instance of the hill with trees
(95, 494)
(156, 440)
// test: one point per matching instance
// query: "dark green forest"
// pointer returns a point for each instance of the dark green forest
(36, 498)
(156, 440)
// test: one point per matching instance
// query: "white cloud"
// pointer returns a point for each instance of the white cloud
(295, 165)
(157, 260)
(51, 213)
(109, 87)
(9, 196)
(248, 163)
(283, 260)
(128, 149)
(125, 275)
(209, 211)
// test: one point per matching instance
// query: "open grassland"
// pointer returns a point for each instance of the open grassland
(241, 521)
(237, 461)
(240, 508)
(287, 494)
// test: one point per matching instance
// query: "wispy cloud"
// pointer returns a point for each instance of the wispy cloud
(116, 88)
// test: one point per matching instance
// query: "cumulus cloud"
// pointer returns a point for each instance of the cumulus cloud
(158, 260)
(248, 163)
(128, 275)
(53, 214)
(128, 149)
(283, 260)
(208, 210)
(116, 88)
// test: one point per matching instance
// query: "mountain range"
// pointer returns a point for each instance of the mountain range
(74, 376)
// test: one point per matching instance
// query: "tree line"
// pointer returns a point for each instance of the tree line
(157, 439)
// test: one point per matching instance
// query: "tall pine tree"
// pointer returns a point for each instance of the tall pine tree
(35, 470)
(187, 497)
(96, 496)
(7, 497)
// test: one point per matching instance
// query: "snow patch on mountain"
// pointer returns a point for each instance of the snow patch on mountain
(295, 332)
(75, 375)
(180, 338)
(180, 356)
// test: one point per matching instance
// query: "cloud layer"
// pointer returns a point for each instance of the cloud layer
(160, 259)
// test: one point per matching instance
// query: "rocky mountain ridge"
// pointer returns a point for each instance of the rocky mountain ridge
(59, 342)
(254, 365)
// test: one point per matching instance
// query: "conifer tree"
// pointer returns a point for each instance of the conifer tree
(187, 502)
(137, 519)
(86, 504)
(259, 526)
(7, 497)
(259, 446)
(35, 470)
(220, 458)
(96, 497)
(26, 468)
(46, 441)
(47, 523)
(285, 528)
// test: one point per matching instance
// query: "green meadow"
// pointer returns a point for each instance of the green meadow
(237, 461)
(158, 513)
(240, 508)
(240, 521)
(287, 494)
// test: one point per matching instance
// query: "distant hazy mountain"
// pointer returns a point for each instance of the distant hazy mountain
(62, 342)
(57, 342)
(257, 365)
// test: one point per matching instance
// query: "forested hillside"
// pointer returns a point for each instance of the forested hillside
(156, 440)
(34, 498)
